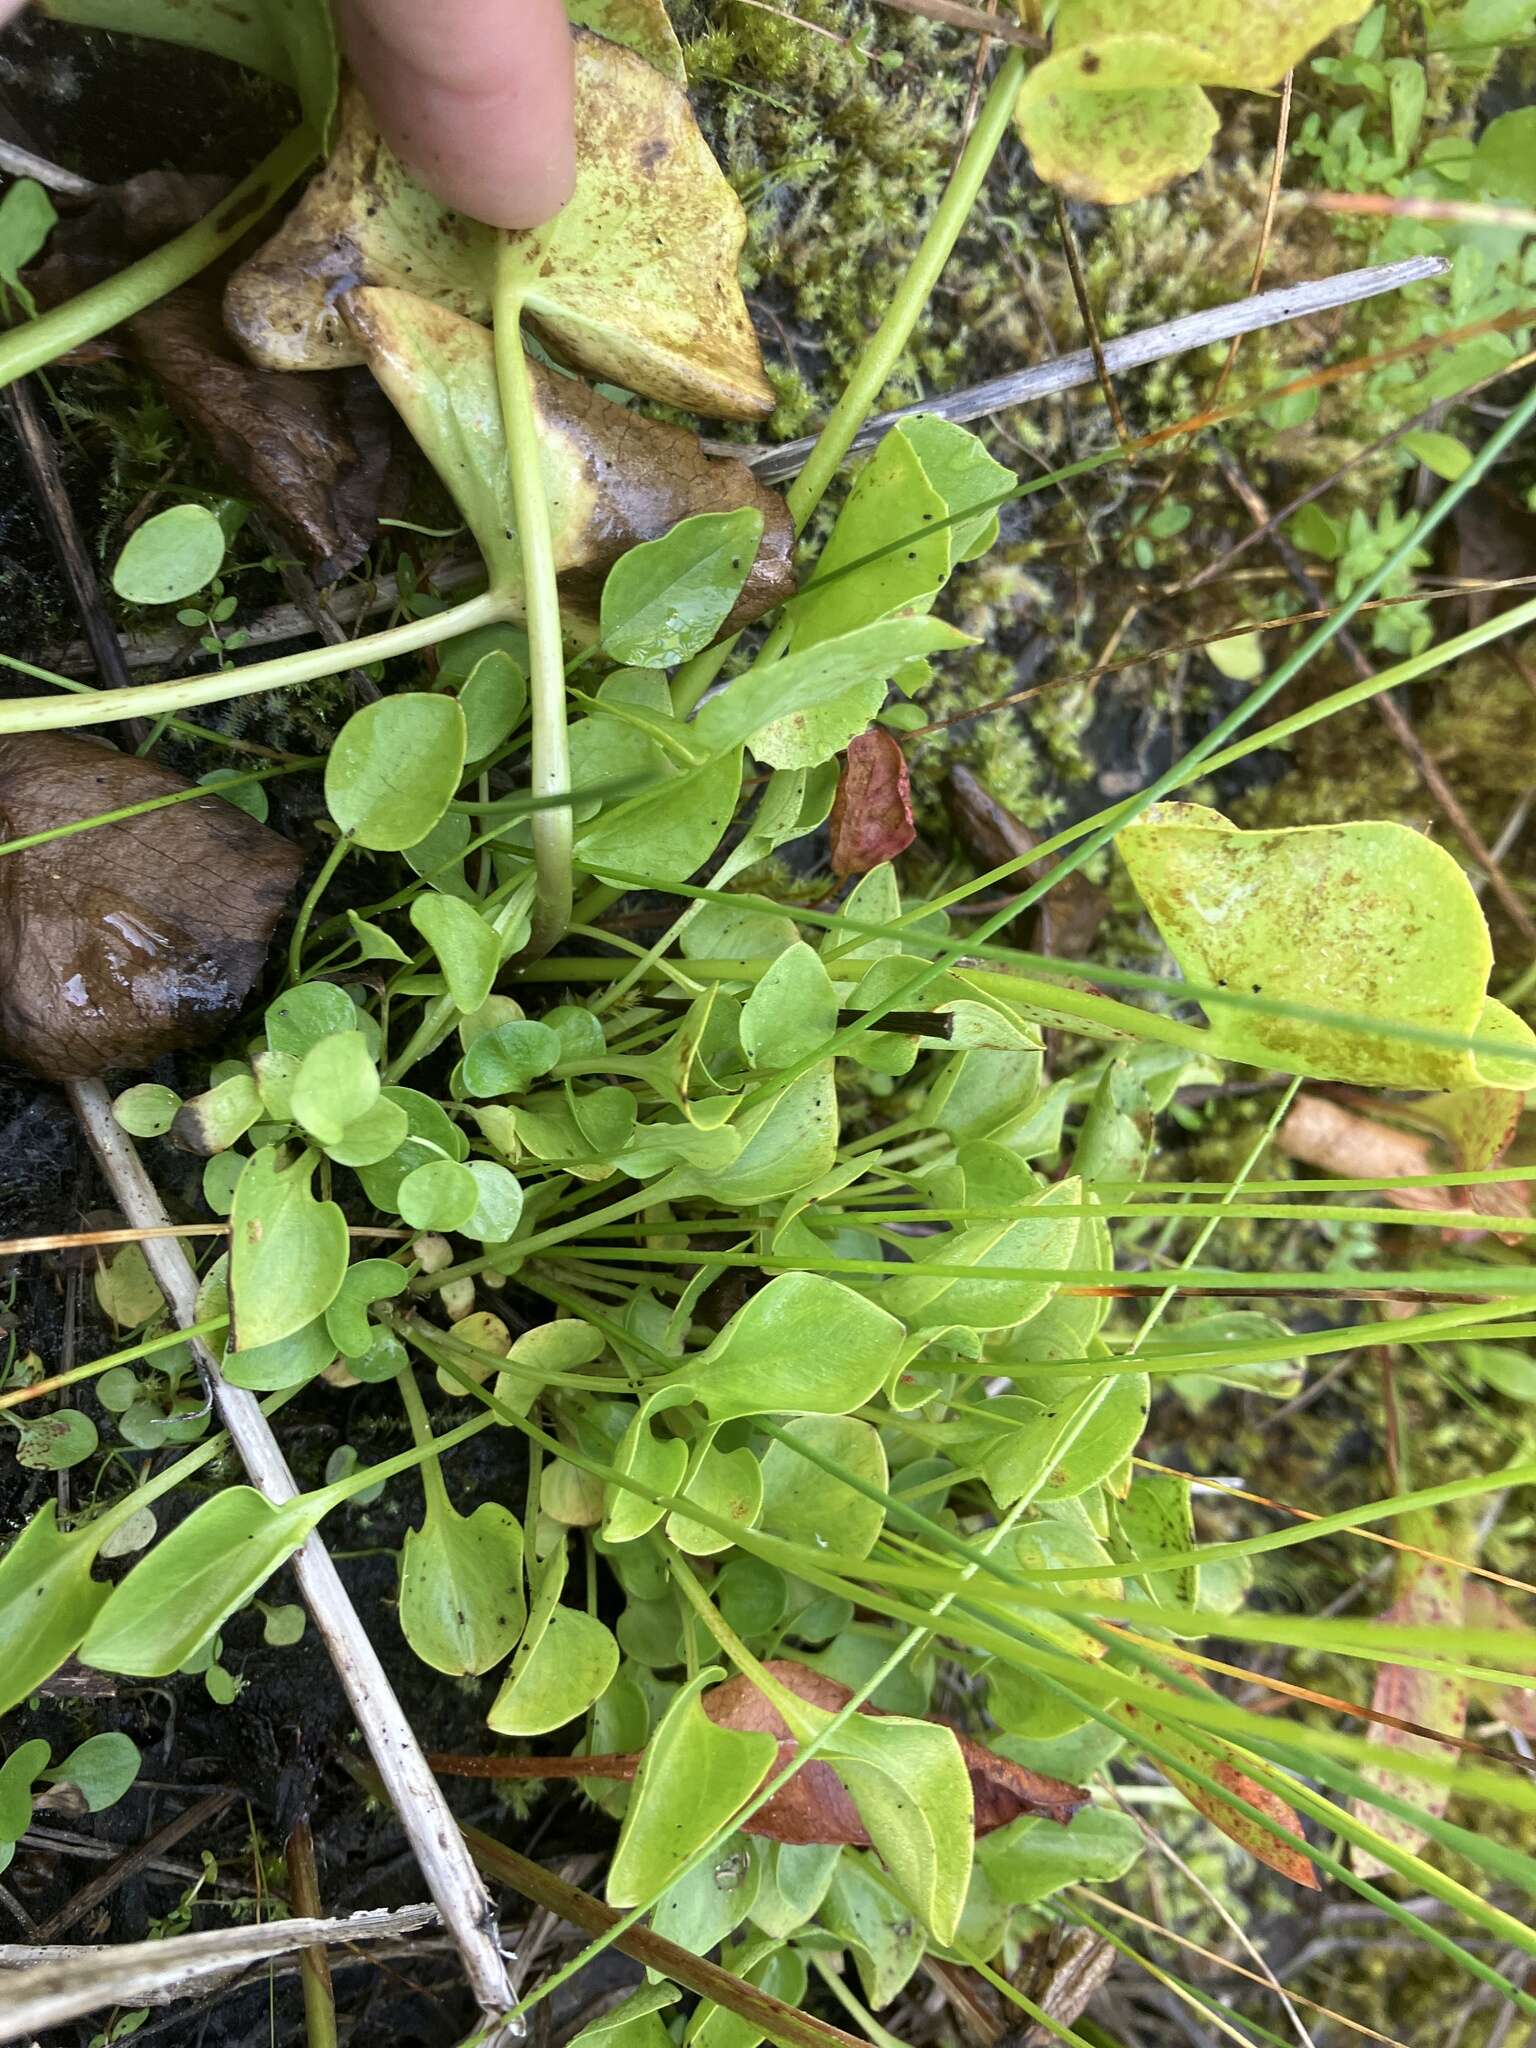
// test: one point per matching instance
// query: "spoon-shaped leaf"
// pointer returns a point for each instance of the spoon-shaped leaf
(184, 1589)
(461, 1586)
(634, 279)
(287, 1251)
(803, 1345)
(611, 478)
(695, 1774)
(48, 1600)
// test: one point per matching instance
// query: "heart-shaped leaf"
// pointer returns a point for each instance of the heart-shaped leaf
(803, 1345)
(461, 1586)
(287, 1251)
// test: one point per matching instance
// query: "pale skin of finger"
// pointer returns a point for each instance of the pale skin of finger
(475, 95)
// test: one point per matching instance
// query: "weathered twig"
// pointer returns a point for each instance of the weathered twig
(17, 162)
(429, 1825)
(1130, 352)
(132, 1861)
(45, 1987)
(956, 14)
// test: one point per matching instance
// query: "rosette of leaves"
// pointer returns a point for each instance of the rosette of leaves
(1119, 109)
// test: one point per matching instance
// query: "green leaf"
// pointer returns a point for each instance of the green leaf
(372, 1137)
(54, 1442)
(793, 1882)
(467, 949)
(374, 941)
(181, 1593)
(102, 1768)
(211, 1122)
(808, 1505)
(336, 1084)
(461, 1586)
(1038, 1237)
(693, 1777)
(886, 1937)
(506, 1060)
(393, 769)
(785, 1144)
(666, 599)
(302, 1016)
(499, 1206)
(1442, 454)
(346, 1320)
(1031, 1858)
(282, 1627)
(1374, 920)
(1504, 162)
(24, 1764)
(664, 834)
(727, 1484)
(777, 694)
(146, 1111)
(287, 1252)
(27, 218)
(803, 1344)
(634, 2022)
(493, 698)
(172, 554)
(565, 1670)
(441, 1195)
(791, 1012)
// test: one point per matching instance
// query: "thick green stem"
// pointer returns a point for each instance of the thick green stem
(82, 318)
(879, 356)
(148, 700)
(551, 762)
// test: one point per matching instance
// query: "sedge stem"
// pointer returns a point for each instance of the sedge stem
(551, 758)
(148, 700)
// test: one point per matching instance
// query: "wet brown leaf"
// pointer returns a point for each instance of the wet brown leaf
(814, 1807)
(129, 940)
(872, 811)
(635, 280)
(313, 451)
(612, 476)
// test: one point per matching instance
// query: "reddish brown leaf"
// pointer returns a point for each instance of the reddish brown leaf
(1429, 1595)
(813, 1806)
(1475, 1123)
(128, 940)
(1215, 1758)
(1514, 1705)
(872, 811)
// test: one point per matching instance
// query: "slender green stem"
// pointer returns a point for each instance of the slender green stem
(551, 762)
(148, 700)
(421, 1436)
(92, 312)
(155, 803)
(311, 903)
(168, 1341)
(878, 358)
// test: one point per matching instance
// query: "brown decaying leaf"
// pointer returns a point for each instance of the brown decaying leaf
(1321, 1133)
(1066, 922)
(872, 812)
(669, 322)
(312, 451)
(813, 1807)
(612, 476)
(130, 940)
(1429, 1595)
(1211, 1756)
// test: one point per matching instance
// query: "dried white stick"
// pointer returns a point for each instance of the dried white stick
(1130, 352)
(17, 162)
(429, 1825)
(43, 1986)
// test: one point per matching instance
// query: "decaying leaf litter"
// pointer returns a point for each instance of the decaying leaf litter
(657, 1440)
